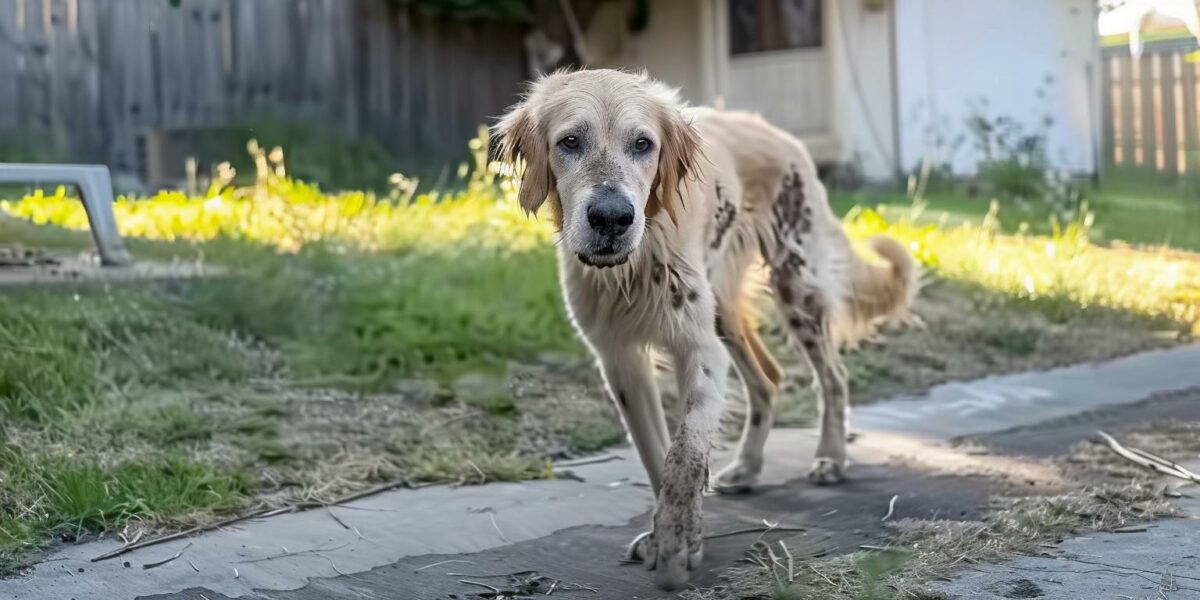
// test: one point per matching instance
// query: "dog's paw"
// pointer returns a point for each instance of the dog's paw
(737, 478)
(677, 547)
(642, 549)
(827, 471)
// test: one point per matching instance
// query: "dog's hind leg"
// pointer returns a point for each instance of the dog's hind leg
(807, 309)
(761, 375)
(809, 325)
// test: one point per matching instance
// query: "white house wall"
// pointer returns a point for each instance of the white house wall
(861, 53)
(671, 48)
(952, 53)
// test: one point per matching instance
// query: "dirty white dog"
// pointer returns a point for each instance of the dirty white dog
(662, 212)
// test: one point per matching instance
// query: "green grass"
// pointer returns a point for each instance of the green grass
(1127, 209)
(190, 398)
(60, 493)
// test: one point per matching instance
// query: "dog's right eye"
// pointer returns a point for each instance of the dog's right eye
(569, 143)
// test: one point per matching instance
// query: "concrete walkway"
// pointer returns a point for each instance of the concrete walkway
(1162, 562)
(573, 529)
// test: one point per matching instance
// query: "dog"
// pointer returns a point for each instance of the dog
(662, 212)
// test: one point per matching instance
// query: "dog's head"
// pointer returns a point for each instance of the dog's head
(608, 149)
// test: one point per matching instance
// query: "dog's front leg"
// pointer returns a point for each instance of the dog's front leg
(629, 374)
(702, 366)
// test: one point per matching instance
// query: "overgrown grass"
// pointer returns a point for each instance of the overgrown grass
(278, 381)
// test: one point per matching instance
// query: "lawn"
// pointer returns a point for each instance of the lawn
(1127, 209)
(361, 339)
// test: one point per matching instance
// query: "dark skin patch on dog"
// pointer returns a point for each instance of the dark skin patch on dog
(725, 214)
(622, 401)
(785, 294)
(693, 296)
(719, 326)
(756, 420)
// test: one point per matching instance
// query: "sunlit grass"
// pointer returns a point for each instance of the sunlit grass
(288, 215)
(1061, 273)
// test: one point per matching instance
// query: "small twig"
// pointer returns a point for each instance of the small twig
(266, 512)
(588, 461)
(288, 553)
(877, 548)
(827, 580)
(194, 567)
(764, 530)
(495, 590)
(174, 536)
(791, 562)
(1149, 461)
(339, 521)
(136, 538)
(167, 560)
(441, 563)
(482, 477)
(492, 575)
(553, 586)
(492, 516)
(235, 573)
(891, 508)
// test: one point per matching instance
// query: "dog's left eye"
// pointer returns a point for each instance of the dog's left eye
(642, 145)
(569, 143)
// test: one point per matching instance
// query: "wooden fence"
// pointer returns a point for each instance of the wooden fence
(1151, 108)
(96, 75)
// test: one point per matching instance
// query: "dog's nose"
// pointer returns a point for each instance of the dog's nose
(610, 212)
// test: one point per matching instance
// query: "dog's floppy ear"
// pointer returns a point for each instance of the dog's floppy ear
(676, 160)
(521, 141)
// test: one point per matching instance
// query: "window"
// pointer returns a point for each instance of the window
(765, 25)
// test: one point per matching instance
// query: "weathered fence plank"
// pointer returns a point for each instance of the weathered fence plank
(1152, 108)
(94, 77)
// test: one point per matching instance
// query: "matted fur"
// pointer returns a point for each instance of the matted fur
(725, 191)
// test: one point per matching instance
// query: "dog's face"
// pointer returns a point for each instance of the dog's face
(608, 149)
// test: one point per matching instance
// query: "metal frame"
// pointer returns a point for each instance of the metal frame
(95, 189)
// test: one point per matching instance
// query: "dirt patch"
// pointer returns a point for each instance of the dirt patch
(325, 443)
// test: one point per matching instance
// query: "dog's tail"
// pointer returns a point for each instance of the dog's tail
(879, 293)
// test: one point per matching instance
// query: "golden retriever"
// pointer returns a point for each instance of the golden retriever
(662, 211)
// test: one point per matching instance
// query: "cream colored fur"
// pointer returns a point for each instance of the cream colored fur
(720, 192)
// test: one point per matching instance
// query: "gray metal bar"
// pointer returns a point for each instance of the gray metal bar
(95, 189)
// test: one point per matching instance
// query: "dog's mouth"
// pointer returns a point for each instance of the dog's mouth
(604, 258)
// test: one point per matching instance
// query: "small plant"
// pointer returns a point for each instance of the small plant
(1014, 167)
